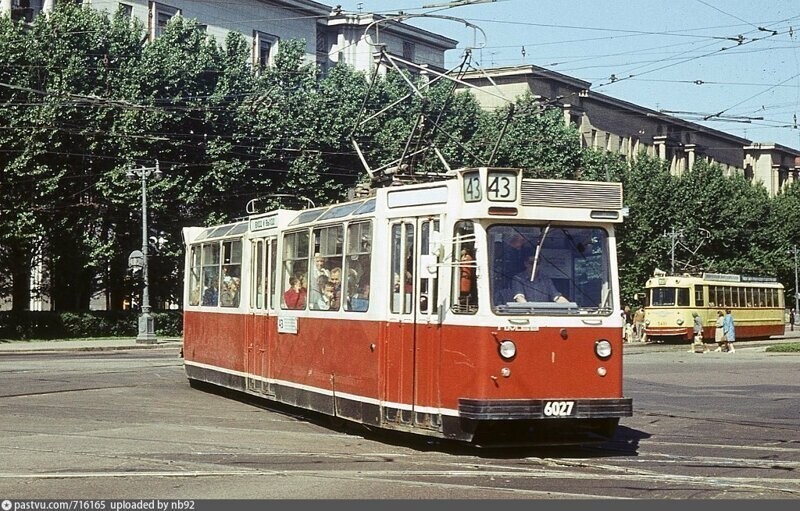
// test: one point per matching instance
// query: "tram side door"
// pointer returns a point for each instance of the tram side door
(427, 327)
(261, 312)
(412, 347)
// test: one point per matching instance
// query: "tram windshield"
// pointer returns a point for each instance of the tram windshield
(549, 269)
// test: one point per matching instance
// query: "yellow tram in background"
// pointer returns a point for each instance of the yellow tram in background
(757, 305)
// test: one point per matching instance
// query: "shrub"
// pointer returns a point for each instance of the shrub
(26, 325)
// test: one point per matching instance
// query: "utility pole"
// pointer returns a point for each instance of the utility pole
(147, 333)
(674, 235)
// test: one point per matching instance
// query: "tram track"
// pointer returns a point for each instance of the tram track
(414, 470)
(501, 480)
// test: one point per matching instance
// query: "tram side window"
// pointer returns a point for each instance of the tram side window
(295, 261)
(698, 296)
(683, 297)
(231, 273)
(210, 266)
(712, 296)
(402, 266)
(464, 296)
(428, 282)
(258, 273)
(273, 271)
(357, 262)
(195, 280)
(325, 276)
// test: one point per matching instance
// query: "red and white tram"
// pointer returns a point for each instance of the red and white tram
(407, 310)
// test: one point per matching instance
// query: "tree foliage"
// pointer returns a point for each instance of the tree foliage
(84, 101)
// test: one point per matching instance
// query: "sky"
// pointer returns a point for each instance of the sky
(731, 65)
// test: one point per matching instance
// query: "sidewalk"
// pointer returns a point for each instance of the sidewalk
(759, 344)
(58, 345)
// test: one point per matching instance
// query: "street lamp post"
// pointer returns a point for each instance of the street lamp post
(147, 334)
(796, 291)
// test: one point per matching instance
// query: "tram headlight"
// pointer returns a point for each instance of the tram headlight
(680, 321)
(508, 349)
(602, 348)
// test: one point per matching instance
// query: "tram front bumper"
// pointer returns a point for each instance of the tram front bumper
(526, 409)
(668, 332)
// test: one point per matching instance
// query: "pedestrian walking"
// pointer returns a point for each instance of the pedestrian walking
(729, 331)
(697, 341)
(719, 333)
(627, 327)
(791, 320)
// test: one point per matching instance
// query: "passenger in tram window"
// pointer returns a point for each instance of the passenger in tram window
(359, 302)
(295, 296)
(231, 283)
(319, 268)
(210, 295)
(194, 296)
(541, 289)
(336, 279)
(467, 273)
(326, 299)
(316, 290)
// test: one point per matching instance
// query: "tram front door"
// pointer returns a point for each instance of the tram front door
(412, 361)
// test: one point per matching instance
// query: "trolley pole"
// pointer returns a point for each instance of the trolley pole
(147, 333)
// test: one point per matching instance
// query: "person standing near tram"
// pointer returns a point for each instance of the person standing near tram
(729, 330)
(638, 324)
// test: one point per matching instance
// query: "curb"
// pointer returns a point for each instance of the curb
(62, 349)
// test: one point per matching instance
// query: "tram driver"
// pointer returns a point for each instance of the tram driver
(541, 289)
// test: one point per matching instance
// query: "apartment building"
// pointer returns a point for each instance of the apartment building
(614, 125)
(331, 34)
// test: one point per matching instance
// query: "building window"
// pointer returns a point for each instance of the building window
(264, 46)
(126, 10)
(322, 43)
(408, 51)
(160, 15)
